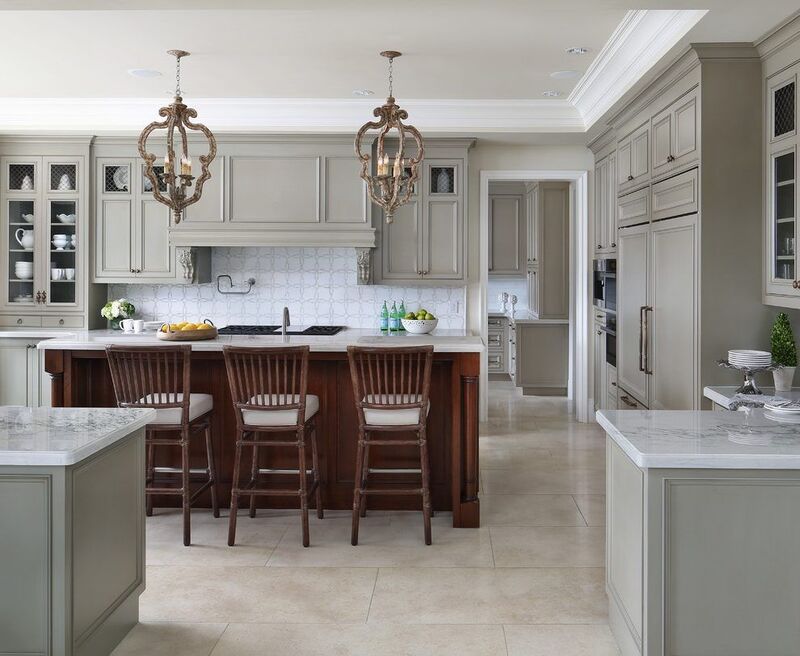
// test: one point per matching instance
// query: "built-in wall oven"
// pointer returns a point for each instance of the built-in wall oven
(605, 284)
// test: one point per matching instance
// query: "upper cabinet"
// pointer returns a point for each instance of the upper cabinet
(274, 191)
(44, 235)
(426, 242)
(605, 213)
(508, 255)
(675, 137)
(633, 158)
(782, 281)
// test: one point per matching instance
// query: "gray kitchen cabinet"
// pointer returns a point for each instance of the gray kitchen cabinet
(534, 292)
(532, 223)
(657, 287)
(605, 215)
(634, 208)
(132, 231)
(633, 158)
(270, 190)
(553, 296)
(497, 344)
(542, 357)
(426, 242)
(600, 378)
(23, 380)
(507, 235)
(675, 135)
(45, 233)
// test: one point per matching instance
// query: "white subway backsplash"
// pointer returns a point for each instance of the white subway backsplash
(318, 285)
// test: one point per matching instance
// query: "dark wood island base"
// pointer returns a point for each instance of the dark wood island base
(81, 378)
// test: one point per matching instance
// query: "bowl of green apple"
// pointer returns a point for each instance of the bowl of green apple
(420, 322)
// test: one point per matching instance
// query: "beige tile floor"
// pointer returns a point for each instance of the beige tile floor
(528, 583)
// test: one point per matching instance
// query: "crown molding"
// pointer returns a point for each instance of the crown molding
(294, 115)
(641, 39)
(779, 37)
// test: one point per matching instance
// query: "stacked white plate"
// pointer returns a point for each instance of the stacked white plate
(749, 359)
(23, 270)
(783, 407)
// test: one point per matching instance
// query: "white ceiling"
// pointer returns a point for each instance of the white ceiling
(496, 55)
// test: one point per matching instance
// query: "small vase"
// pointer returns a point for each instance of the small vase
(783, 378)
(113, 324)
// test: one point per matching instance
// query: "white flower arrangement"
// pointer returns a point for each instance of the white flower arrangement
(119, 309)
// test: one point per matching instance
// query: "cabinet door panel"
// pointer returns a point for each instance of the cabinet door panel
(685, 140)
(640, 152)
(442, 248)
(14, 374)
(400, 244)
(554, 300)
(662, 141)
(210, 207)
(632, 274)
(532, 228)
(506, 234)
(115, 225)
(671, 324)
(601, 205)
(275, 190)
(155, 253)
(533, 291)
(600, 391)
(611, 204)
(624, 162)
(345, 191)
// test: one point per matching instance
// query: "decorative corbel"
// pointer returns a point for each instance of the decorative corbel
(186, 260)
(364, 261)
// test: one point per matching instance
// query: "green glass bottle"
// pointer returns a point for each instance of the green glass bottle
(384, 322)
(401, 315)
(394, 319)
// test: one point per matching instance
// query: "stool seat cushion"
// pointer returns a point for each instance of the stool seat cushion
(199, 404)
(278, 417)
(393, 416)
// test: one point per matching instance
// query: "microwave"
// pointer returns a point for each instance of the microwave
(605, 284)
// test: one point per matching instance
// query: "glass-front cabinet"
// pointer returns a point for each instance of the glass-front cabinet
(782, 266)
(42, 218)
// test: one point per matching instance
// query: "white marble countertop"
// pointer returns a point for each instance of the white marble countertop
(34, 333)
(63, 436)
(722, 394)
(691, 439)
(443, 341)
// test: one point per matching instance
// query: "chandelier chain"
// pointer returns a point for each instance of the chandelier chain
(391, 76)
(178, 76)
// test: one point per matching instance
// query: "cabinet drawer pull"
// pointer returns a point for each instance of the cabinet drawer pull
(630, 177)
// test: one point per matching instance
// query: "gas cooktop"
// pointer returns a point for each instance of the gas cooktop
(323, 331)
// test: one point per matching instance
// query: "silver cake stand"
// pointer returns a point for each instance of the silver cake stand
(749, 385)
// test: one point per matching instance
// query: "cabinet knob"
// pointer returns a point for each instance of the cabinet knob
(425, 273)
(671, 158)
(39, 295)
(794, 284)
(599, 246)
(19, 321)
(599, 332)
(60, 322)
(44, 296)
(613, 244)
(630, 177)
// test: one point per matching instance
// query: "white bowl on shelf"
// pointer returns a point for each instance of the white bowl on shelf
(28, 218)
(419, 326)
(66, 218)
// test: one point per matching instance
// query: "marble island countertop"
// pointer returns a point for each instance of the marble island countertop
(723, 394)
(63, 436)
(443, 341)
(749, 439)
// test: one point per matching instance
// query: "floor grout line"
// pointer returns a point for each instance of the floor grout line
(372, 596)
(505, 637)
(227, 624)
(575, 501)
(491, 547)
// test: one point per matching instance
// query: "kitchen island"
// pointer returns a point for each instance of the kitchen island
(703, 532)
(71, 528)
(80, 378)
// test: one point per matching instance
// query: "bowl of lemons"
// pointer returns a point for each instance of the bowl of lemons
(420, 322)
(187, 331)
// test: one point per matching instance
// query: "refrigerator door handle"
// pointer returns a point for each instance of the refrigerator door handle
(641, 337)
(646, 347)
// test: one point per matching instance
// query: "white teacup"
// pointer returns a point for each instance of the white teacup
(69, 274)
(127, 325)
(73, 241)
(56, 274)
(138, 325)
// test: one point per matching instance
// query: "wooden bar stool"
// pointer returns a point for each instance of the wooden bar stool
(158, 377)
(391, 388)
(268, 386)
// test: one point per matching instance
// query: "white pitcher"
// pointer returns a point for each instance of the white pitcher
(27, 238)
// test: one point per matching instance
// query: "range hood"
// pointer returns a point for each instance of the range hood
(304, 235)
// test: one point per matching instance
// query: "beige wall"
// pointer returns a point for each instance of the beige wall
(496, 157)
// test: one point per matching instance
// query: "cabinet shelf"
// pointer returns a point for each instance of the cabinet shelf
(20, 250)
(784, 183)
(27, 281)
(72, 282)
(788, 219)
(21, 223)
(63, 250)
(784, 257)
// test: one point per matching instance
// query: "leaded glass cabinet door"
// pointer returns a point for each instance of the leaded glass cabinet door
(64, 221)
(21, 224)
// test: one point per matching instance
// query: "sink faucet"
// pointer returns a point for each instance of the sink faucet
(286, 321)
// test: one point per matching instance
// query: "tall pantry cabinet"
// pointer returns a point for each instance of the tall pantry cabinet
(687, 246)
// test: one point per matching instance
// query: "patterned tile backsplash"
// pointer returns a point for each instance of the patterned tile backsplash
(318, 285)
(518, 286)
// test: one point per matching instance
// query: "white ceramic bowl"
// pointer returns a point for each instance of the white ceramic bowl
(153, 325)
(66, 218)
(419, 326)
(28, 217)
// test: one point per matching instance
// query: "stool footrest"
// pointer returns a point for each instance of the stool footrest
(268, 443)
(269, 470)
(370, 442)
(178, 470)
(375, 470)
(417, 490)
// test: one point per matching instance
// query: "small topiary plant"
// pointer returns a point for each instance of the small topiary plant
(784, 351)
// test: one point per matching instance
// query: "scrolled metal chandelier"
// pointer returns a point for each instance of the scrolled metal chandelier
(177, 174)
(392, 182)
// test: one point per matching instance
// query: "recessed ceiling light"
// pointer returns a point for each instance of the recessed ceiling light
(144, 72)
(551, 93)
(564, 75)
(362, 92)
(577, 50)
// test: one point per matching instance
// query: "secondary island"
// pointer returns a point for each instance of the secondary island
(703, 532)
(71, 528)
(80, 378)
